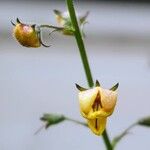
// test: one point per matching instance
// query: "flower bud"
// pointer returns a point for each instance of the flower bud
(52, 119)
(63, 19)
(97, 102)
(96, 105)
(26, 35)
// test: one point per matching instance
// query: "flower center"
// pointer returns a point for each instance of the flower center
(97, 103)
(96, 106)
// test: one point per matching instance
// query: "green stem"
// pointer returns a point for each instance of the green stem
(130, 127)
(84, 58)
(119, 137)
(107, 140)
(80, 43)
(76, 121)
(51, 27)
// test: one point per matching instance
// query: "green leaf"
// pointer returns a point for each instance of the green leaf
(115, 87)
(144, 121)
(52, 119)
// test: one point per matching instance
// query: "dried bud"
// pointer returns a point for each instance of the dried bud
(26, 35)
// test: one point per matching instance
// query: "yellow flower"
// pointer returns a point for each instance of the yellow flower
(26, 35)
(96, 105)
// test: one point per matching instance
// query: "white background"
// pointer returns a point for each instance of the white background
(35, 81)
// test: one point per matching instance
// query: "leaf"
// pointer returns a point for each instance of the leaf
(144, 121)
(52, 119)
(115, 87)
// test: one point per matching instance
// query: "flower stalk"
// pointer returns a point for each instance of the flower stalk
(84, 59)
(80, 43)
(51, 27)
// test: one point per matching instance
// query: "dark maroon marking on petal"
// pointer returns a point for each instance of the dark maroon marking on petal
(97, 103)
(96, 122)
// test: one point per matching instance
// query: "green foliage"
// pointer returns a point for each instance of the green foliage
(52, 119)
(144, 121)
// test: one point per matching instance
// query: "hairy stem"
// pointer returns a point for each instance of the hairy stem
(84, 58)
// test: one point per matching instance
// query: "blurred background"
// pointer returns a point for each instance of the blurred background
(37, 81)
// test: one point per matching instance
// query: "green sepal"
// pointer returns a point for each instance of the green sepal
(97, 84)
(17, 20)
(57, 12)
(80, 88)
(83, 18)
(115, 87)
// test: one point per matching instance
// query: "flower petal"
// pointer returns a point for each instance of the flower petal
(108, 99)
(86, 100)
(97, 125)
(99, 113)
